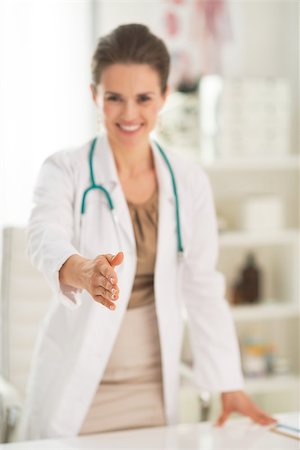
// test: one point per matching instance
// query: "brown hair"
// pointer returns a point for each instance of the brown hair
(131, 43)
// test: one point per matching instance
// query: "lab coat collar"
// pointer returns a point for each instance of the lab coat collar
(162, 173)
(105, 168)
(109, 177)
(106, 174)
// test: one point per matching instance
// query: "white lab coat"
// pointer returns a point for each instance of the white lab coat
(77, 335)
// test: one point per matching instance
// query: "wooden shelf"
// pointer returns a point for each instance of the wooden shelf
(271, 310)
(246, 238)
(259, 385)
(267, 311)
(272, 383)
(291, 162)
(287, 162)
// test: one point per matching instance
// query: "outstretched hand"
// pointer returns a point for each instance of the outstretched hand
(100, 279)
(240, 402)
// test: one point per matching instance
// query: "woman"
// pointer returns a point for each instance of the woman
(108, 353)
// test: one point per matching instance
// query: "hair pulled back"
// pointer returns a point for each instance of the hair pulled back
(131, 44)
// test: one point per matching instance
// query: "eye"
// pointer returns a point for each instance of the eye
(113, 98)
(143, 98)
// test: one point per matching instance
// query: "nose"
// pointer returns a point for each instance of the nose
(130, 110)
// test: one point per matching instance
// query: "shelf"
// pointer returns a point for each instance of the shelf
(265, 311)
(259, 163)
(268, 311)
(272, 383)
(246, 238)
(291, 162)
(259, 385)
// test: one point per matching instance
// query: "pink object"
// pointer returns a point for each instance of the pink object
(172, 23)
(211, 9)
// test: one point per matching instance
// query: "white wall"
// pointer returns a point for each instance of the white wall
(265, 38)
(266, 43)
(110, 14)
(45, 52)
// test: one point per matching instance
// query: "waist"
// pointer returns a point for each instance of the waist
(136, 352)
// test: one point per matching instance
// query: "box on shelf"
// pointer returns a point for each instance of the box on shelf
(262, 213)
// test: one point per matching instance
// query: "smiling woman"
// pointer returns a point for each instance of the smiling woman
(131, 98)
(116, 274)
(130, 71)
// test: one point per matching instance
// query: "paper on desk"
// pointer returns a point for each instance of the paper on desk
(290, 428)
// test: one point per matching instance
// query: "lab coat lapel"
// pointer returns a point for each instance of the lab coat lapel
(165, 285)
(166, 240)
(106, 174)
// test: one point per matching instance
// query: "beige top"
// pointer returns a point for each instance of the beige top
(130, 394)
(144, 218)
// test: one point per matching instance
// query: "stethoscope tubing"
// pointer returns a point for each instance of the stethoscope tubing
(110, 201)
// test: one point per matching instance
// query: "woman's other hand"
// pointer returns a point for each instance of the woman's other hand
(97, 276)
(240, 402)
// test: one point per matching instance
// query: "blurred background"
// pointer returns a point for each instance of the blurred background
(234, 109)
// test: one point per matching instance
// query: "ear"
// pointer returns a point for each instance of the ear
(167, 92)
(164, 96)
(93, 92)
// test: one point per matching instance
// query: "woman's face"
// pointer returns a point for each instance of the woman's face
(130, 98)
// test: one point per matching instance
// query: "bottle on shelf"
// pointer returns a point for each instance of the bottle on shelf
(257, 356)
(247, 287)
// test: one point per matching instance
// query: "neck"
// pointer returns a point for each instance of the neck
(132, 161)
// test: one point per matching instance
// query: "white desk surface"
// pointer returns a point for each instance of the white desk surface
(234, 435)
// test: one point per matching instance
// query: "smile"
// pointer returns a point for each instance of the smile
(129, 128)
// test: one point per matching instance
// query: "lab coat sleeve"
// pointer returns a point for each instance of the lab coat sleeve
(212, 334)
(51, 224)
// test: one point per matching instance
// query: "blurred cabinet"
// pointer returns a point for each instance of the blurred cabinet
(272, 322)
(268, 330)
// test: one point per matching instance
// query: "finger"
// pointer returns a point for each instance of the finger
(104, 268)
(108, 304)
(267, 421)
(108, 295)
(261, 414)
(105, 283)
(117, 259)
(114, 261)
(222, 419)
(255, 412)
(264, 419)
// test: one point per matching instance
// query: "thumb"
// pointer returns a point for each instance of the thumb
(222, 419)
(117, 259)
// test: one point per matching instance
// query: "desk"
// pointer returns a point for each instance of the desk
(234, 435)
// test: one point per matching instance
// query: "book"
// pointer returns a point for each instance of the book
(286, 430)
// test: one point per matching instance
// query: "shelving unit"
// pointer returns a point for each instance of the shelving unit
(276, 317)
(247, 140)
(240, 168)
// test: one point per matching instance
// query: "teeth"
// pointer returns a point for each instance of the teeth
(130, 127)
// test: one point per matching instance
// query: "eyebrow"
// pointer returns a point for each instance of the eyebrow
(117, 93)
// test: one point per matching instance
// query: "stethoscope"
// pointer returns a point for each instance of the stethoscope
(111, 204)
